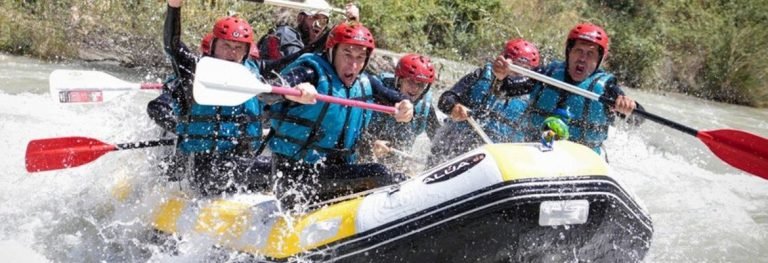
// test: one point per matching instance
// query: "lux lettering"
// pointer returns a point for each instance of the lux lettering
(449, 170)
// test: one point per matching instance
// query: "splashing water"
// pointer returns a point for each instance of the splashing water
(703, 210)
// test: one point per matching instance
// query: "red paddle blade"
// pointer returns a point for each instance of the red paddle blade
(742, 150)
(65, 152)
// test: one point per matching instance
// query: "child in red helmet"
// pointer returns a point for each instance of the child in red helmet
(482, 95)
(307, 35)
(412, 80)
(313, 145)
(222, 142)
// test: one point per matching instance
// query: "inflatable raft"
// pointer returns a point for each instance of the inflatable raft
(497, 203)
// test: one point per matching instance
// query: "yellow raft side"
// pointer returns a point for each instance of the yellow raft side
(224, 219)
(122, 189)
(285, 240)
(168, 213)
(231, 222)
(524, 161)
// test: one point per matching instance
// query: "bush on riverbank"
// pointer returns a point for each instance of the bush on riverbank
(711, 49)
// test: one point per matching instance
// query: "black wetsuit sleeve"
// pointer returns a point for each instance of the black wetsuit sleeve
(182, 59)
(519, 85)
(459, 93)
(270, 69)
(612, 91)
(160, 110)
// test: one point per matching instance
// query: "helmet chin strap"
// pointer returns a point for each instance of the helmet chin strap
(213, 47)
(423, 92)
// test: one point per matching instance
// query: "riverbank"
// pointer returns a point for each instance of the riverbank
(710, 50)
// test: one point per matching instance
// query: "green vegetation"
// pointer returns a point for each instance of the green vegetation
(712, 49)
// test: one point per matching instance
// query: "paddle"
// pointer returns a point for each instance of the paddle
(305, 4)
(740, 149)
(224, 83)
(59, 153)
(479, 130)
(87, 86)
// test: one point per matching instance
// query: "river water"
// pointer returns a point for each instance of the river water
(703, 210)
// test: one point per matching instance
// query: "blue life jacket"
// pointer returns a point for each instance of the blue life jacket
(500, 117)
(313, 132)
(403, 134)
(589, 125)
(221, 129)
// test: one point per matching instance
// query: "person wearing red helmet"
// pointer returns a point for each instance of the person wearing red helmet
(586, 48)
(412, 80)
(205, 44)
(482, 95)
(313, 145)
(221, 144)
(307, 36)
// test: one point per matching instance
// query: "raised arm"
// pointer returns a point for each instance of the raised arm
(182, 59)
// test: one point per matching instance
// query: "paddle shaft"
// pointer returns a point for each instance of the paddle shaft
(656, 118)
(144, 144)
(479, 130)
(331, 99)
(151, 86)
(403, 154)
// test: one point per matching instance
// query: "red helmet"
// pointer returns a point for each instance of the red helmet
(521, 50)
(590, 33)
(234, 29)
(352, 33)
(205, 44)
(416, 67)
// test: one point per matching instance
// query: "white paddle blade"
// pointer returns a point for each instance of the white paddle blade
(224, 83)
(305, 4)
(86, 86)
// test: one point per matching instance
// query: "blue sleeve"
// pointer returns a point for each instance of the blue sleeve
(382, 94)
(459, 93)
